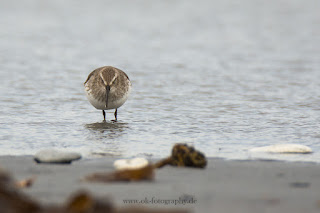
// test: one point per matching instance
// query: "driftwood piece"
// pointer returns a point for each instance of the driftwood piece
(144, 173)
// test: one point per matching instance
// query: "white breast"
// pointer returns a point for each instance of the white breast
(111, 105)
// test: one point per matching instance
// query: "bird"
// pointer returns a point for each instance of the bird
(107, 88)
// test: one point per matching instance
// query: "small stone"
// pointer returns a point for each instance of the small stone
(55, 156)
(135, 163)
(283, 148)
(300, 184)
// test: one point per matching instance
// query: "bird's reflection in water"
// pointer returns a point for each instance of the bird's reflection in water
(105, 136)
(107, 130)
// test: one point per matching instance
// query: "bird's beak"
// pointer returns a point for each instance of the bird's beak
(107, 94)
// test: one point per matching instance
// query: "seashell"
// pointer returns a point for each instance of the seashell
(135, 163)
(283, 148)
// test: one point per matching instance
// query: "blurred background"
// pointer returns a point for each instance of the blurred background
(224, 76)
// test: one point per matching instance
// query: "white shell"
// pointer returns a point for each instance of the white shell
(283, 148)
(134, 163)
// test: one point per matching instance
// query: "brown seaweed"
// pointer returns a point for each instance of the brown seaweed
(14, 201)
(184, 155)
(83, 202)
(25, 183)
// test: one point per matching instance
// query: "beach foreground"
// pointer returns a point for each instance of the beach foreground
(223, 186)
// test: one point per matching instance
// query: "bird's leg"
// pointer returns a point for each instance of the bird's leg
(115, 115)
(104, 115)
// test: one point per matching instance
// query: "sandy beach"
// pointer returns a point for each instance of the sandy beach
(224, 186)
(227, 77)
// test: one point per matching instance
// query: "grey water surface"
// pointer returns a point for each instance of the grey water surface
(224, 76)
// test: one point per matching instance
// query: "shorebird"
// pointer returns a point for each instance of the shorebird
(107, 88)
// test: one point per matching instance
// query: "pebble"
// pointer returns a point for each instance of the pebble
(283, 148)
(55, 156)
(135, 163)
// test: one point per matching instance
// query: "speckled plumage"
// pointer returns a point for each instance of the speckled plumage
(106, 79)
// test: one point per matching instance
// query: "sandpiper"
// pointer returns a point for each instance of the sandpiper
(107, 88)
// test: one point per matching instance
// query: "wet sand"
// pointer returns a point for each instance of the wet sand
(224, 186)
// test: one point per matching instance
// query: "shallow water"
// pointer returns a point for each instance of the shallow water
(223, 76)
